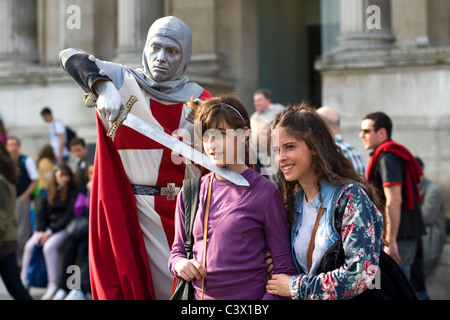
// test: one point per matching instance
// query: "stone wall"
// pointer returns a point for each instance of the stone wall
(42, 86)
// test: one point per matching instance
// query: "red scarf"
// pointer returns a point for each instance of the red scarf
(413, 170)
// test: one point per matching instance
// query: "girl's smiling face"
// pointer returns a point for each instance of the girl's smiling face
(293, 157)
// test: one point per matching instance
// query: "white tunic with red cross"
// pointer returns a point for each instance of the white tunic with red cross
(148, 163)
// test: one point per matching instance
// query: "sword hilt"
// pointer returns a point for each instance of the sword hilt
(121, 117)
(90, 101)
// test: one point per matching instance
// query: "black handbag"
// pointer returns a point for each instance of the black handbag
(78, 228)
(393, 283)
(191, 189)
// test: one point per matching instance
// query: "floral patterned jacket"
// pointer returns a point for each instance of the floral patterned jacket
(361, 228)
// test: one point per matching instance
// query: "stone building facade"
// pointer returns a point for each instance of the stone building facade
(402, 69)
(342, 53)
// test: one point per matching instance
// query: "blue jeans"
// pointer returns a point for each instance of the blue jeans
(407, 251)
(9, 271)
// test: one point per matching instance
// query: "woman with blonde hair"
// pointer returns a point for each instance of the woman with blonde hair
(46, 169)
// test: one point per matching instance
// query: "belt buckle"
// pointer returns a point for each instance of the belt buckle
(171, 191)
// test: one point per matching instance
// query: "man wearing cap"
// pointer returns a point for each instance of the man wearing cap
(135, 180)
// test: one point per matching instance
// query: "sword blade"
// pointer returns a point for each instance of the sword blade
(181, 148)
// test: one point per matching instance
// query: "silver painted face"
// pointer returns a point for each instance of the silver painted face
(164, 57)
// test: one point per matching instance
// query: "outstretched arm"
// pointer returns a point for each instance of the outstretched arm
(100, 77)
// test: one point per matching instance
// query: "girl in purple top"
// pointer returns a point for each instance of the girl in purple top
(244, 222)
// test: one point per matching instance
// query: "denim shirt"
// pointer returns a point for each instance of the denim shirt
(360, 228)
(326, 230)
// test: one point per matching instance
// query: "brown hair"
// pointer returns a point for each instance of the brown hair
(77, 141)
(47, 152)
(2, 128)
(302, 122)
(7, 165)
(227, 108)
(52, 188)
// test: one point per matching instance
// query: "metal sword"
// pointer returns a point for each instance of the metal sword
(130, 120)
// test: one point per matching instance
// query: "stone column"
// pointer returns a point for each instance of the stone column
(439, 22)
(364, 28)
(18, 25)
(134, 19)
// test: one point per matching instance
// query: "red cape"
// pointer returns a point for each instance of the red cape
(413, 170)
(118, 262)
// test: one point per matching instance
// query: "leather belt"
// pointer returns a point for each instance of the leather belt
(170, 192)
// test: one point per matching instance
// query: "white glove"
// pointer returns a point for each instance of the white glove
(109, 102)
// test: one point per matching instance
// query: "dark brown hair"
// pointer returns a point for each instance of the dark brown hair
(47, 152)
(7, 165)
(77, 141)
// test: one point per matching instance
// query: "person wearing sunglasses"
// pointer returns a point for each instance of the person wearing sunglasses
(396, 174)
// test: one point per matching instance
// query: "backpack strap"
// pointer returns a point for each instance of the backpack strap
(191, 191)
(23, 160)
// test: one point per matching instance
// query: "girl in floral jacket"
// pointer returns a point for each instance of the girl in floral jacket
(327, 202)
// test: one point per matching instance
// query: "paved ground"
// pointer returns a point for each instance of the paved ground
(438, 283)
(36, 293)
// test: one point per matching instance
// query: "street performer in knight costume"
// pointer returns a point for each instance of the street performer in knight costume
(135, 180)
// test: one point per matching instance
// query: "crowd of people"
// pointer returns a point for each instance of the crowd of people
(40, 201)
(314, 222)
(415, 233)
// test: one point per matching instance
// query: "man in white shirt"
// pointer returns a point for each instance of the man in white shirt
(260, 128)
(58, 136)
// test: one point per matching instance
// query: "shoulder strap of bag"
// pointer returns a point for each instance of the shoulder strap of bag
(191, 190)
(313, 238)
(205, 228)
(337, 194)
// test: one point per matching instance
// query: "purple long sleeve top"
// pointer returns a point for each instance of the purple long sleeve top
(244, 223)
